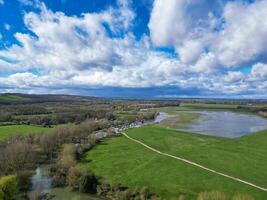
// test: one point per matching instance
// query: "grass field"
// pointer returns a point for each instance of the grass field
(198, 106)
(208, 106)
(7, 131)
(127, 115)
(12, 98)
(126, 162)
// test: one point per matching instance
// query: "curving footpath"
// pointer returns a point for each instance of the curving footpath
(195, 164)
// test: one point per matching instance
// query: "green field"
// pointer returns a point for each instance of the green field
(209, 106)
(198, 106)
(123, 161)
(12, 97)
(127, 115)
(7, 131)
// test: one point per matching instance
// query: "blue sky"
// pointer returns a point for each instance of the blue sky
(140, 48)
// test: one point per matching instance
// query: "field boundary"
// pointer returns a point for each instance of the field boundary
(196, 164)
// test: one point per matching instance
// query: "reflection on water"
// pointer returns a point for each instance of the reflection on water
(41, 183)
(42, 188)
(40, 180)
(226, 124)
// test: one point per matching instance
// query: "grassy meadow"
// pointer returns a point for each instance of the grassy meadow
(199, 107)
(208, 106)
(7, 131)
(123, 161)
(12, 97)
(130, 115)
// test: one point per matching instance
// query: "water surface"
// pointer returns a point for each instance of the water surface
(226, 124)
(42, 185)
(162, 116)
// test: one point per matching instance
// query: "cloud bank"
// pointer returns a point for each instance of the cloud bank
(213, 45)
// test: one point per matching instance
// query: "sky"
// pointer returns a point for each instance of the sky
(134, 48)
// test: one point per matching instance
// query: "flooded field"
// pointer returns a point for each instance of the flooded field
(223, 123)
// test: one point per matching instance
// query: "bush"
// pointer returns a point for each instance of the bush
(67, 157)
(104, 188)
(117, 191)
(8, 187)
(24, 180)
(242, 197)
(144, 193)
(80, 179)
(215, 195)
(65, 161)
(181, 197)
(17, 156)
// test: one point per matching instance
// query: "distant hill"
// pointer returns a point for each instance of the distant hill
(16, 98)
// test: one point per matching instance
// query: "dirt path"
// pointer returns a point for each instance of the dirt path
(195, 164)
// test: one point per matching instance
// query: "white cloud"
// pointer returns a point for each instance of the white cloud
(207, 62)
(72, 42)
(259, 70)
(234, 76)
(168, 22)
(243, 37)
(190, 51)
(240, 35)
(180, 25)
(78, 52)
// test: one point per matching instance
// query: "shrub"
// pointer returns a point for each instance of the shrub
(242, 197)
(181, 197)
(124, 195)
(215, 195)
(8, 187)
(51, 143)
(65, 161)
(144, 193)
(104, 188)
(80, 179)
(67, 157)
(24, 180)
(17, 156)
(135, 194)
